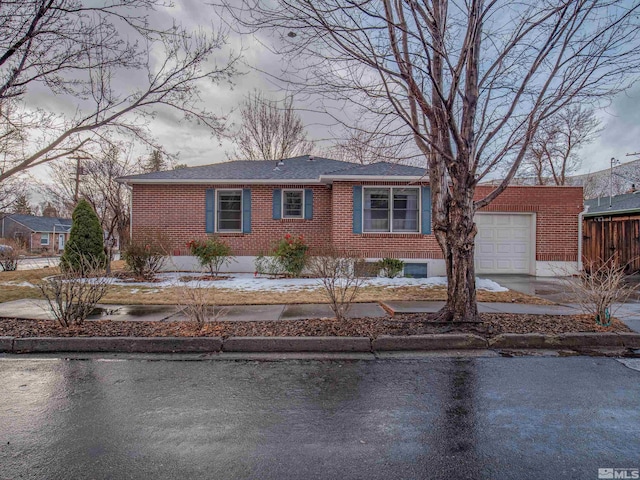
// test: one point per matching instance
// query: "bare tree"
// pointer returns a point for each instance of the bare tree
(368, 146)
(552, 154)
(472, 81)
(109, 199)
(269, 130)
(110, 56)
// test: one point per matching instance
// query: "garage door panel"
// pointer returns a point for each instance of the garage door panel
(521, 249)
(503, 243)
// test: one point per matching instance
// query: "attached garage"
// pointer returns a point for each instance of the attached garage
(505, 243)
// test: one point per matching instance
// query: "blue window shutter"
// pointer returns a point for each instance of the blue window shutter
(277, 203)
(308, 203)
(357, 209)
(426, 210)
(210, 212)
(246, 210)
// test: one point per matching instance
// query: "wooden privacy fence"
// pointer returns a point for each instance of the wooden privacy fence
(612, 237)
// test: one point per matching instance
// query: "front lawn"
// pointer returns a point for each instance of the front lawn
(244, 289)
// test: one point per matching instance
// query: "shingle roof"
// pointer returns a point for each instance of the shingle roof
(619, 203)
(42, 224)
(288, 170)
(381, 169)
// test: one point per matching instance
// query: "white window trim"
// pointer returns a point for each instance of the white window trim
(391, 189)
(42, 237)
(282, 195)
(217, 216)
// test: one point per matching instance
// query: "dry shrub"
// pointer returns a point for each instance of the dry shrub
(341, 278)
(73, 295)
(598, 287)
(10, 254)
(196, 304)
(147, 254)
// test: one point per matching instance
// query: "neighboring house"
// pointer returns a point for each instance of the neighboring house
(376, 211)
(612, 229)
(39, 234)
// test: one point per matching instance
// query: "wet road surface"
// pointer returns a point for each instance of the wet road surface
(432, 418)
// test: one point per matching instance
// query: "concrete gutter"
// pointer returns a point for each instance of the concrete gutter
(384, 343)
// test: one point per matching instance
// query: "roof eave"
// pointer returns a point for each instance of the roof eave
(611, 212)
(198, 181)
(374, 178)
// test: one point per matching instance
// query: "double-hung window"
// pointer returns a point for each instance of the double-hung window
(44, 239)
(391, 209)
(229, 210)
(292, 203)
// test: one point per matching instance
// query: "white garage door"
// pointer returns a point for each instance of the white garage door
(503, 243)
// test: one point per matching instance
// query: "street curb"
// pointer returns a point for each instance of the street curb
(630, 340)
(384, 343)
(117, 344)
(297, 344)
(6, 344)
(443, 341)
(520, 340)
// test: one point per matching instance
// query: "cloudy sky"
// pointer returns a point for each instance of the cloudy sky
(195, 145)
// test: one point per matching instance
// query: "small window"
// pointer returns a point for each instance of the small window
(293, 204)
(229, 214)
(44, 239)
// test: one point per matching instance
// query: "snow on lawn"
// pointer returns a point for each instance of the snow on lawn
(246, 282)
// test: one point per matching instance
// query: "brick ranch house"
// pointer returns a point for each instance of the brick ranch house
(39, 234)
(378, 210)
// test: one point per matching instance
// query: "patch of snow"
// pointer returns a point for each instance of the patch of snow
(18, 284)
(489, 285)
(247, 282)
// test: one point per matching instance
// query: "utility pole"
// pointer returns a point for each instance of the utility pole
(79, 172)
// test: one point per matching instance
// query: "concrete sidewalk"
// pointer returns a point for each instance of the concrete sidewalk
(38, 309)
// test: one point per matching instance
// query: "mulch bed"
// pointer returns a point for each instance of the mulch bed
(492, 324)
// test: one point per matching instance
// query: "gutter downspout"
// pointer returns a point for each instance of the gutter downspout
(130, 188)
(580, 239)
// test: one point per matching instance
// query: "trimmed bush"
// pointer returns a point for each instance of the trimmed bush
(390, 267)
(86, 241)
(292, 254)
(212, 253)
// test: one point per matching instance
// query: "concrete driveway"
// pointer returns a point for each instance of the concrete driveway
(554, 289)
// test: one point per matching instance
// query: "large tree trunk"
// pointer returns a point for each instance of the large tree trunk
(456, 236)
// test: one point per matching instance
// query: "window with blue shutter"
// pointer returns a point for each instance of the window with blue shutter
(426, 210)
(277, 203)
(308, 204)
(210, 211)
(246, 210)
(357, 209)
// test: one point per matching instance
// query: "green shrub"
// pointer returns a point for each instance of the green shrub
(146, 254)
(292, 254)
(390, 267)
(212, 253)
(86, 241)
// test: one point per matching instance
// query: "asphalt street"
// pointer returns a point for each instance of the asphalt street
(430, 418)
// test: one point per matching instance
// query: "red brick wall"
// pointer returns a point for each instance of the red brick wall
(556, 210)
(179, 210)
